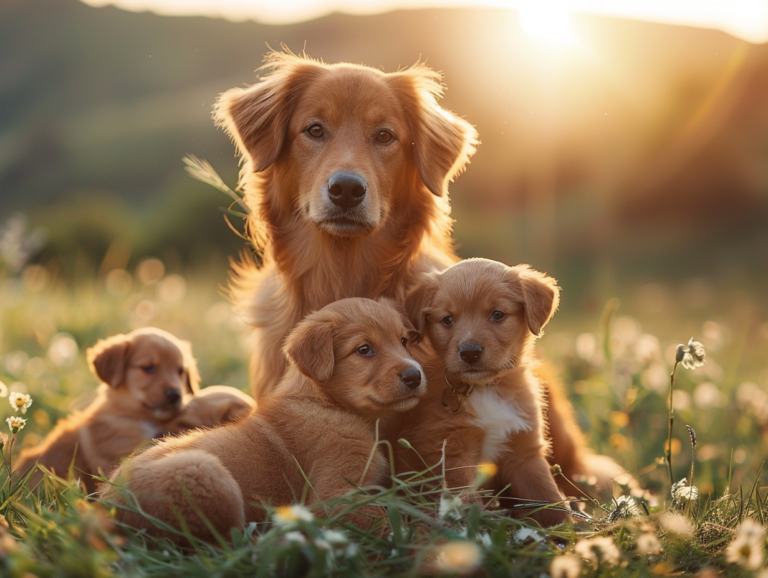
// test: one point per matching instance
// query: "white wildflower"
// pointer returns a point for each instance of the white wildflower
(335, 537)
(682, 493)
(626, 507)
(598, 549)
(20, 401)
(458, 557)
(691, 355)
(295, 537)
(3, 390)
(16, 423)
(485, 539)
(748, 547)
(676, 524)
(648, 544)
(450, 507)
(566, 566)
(525, 534)
(286, 515)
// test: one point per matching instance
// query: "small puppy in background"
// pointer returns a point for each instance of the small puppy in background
(145, 376)
(211, 406)
(349, 366)
(482, 319)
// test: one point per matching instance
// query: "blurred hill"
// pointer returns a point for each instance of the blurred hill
(642, 146)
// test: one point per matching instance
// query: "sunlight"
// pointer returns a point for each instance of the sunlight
(547, 21)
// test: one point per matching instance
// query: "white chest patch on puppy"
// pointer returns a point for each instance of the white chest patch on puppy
(149, 429)
(499, 418)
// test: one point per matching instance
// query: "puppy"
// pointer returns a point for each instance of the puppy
(482, 318)
(145, 375)
(345, 169)
(349, 367)
(212, 406)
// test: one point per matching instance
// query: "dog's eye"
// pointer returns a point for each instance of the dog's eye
(384, 136)
(315, 131)
(447, 321)
(365, 350)
(149, 368)
(498, 315)
(404, 341)
(181, 371)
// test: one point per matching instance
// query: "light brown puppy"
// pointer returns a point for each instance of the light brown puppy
(482, 318)
(349, 366)
(145, 375)
(211, 406)
(346, 171)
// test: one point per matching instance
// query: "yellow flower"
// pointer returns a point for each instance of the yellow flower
(16, 423)
(291, 514)
(20, 401)
(487, 469)
(458, 557)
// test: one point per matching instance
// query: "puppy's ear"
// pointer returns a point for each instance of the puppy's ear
(442, 142)
(540, 296)
(413, 335)
(419, 299)
(256, 118)
(108, 357)
(310, 348)
(190, 367)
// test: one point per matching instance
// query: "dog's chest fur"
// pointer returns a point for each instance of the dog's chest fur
(499, 417)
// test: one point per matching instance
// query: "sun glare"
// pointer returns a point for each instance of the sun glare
(547, 21)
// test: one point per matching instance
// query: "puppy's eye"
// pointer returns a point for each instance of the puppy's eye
(315, 131)
(498, 315)
(149, 368)
(404, 341)
(181, 371)
(384, 136)
(364, 350)
(447, 321)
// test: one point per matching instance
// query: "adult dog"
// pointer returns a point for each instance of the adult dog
(345, 170)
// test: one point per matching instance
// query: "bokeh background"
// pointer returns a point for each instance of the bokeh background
(630, 163)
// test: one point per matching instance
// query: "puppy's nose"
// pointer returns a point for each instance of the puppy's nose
(172, 396)
(470, 352)
(411, 377)
(346, 190)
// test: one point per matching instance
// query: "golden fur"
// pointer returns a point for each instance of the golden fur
(501, 420)
(133, 405)
(315, 253)
(348, 363)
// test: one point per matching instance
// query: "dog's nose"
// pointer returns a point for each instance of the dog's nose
(411, 377)
(346, 190)
(470, 352)
(172, 396)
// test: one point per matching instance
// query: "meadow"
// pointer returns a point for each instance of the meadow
(615, 361)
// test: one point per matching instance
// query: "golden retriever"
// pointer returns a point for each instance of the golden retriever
(144, 376)
(482, 318)
(349, 366)
(345, 169)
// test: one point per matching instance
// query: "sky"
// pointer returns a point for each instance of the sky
(547, 19)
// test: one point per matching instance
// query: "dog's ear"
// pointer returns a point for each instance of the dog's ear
(190, 368)
(419, 299)
(442, 142)
(108, 357)
(256, 118)
(310, 348)
(540, 295)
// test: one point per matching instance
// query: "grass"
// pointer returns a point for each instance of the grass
(619, 375)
